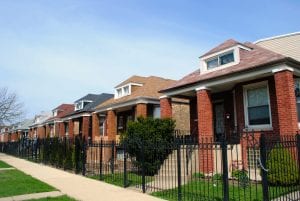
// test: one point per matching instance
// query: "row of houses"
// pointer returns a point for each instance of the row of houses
(237, 88)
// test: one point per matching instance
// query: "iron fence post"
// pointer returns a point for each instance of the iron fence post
(100, 160)
(143, 168)
(179, 172)
(298, 148)
(225, 170)
(112, 161)
(125, 166)
(263, 157)
(84, 149)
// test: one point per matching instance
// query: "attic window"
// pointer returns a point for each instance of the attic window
(123, 91)
(220, 60)
(80, 105)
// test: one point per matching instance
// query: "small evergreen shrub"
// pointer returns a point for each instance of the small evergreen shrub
(153, 136)
(283, 170)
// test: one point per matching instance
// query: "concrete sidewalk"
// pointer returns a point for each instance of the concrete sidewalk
(76, 186)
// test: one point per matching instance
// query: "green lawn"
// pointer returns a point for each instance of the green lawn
(15, 182)
(118, 179)
(4, 165)
(213, 191)
(60, 198)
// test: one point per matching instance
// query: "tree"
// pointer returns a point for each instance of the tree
(11, 109)
(149, 141)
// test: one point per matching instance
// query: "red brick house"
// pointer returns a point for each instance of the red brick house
(20, 130)
(134, 97)
(53, 124)
(239, 88)
(37, 129)
(79, 121)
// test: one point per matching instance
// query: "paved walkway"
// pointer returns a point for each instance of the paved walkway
(76, 186)
(32, 196)
(3, 169)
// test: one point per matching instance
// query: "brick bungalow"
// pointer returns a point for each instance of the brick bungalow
(134, 97)
(20, 130)
(4, 133)
(37, 129)
(79, 121)
(52, 125)
(239, 87)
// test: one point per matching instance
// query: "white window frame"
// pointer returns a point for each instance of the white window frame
(219, 60)
(255, 86)
(104, 125)
(295, 80)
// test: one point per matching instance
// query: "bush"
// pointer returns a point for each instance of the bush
(151, 135)
(198, 175)
(217, 176)
(242, 177)
(282, 167)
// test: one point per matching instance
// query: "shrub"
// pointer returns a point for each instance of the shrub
(242, 177)
(217, 176)
(198, 175)
(282, 167)
(151, 135)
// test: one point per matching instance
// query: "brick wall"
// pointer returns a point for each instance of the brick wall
(111, 125)
(95, 126)
(181, 114)
(205, 125)
(62, 130)
(85, 127)
(165, 108)
(141, 110)
(71, 128)
(286, 103)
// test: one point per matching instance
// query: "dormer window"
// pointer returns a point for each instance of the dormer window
(220, 60)
(81, 104)
(54, 113)
(125, 90)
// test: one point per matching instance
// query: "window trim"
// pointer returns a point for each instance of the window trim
(218, 57)
(255, 86)
(295, 80)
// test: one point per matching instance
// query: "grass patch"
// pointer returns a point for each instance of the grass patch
(15, 182)
(4, 165)
(213, 191)
(59, 198)
(118, 179)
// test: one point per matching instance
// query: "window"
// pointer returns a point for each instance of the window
(102, 121)
(253, 157)
(156, 112)
(297, 94)
(119, 92)
(67, 128)
(220, 60)
(257, 105)
(126, 90)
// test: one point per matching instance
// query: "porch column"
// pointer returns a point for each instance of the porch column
(286, 103)
(85, 127)
(141, 110)
(205, 129)
(165, 107)
(56, 129)
(95, 126)
(111, 125)
(205, 114)
(62, 129)
(47, 130)
(71, 128)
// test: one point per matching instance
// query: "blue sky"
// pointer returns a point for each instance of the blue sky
(56, 51)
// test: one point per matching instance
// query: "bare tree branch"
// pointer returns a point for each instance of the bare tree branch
(11, 109)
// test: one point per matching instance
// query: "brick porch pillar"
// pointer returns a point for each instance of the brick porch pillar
(141, 110)
(71, 128)
(205, 129)
(165, 107)
(47, 130)
(62, 129)
(85, 127)
(111, 125)
(95, 126)
(286, 103)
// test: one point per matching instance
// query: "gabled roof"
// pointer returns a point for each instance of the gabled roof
(255, 58)
(64, 109)
(150, 88)
(97, 99)
(24, 125)
(90, 97)
(227, 44)
(133, 79)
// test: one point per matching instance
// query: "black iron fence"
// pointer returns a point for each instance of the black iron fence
(257, 168)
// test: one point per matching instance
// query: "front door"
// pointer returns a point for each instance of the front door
(219, 120)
